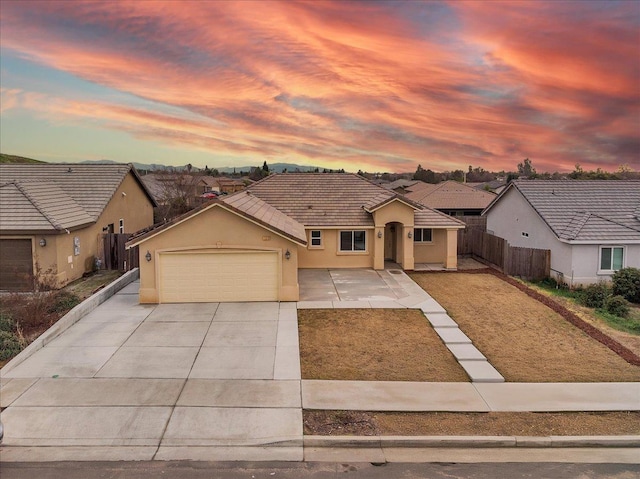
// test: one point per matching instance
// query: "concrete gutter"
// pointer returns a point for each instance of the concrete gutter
(369, 442)
(72, 317)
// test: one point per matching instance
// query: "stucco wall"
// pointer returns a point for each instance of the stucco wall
(586, 263)
(330, 256)
(220, 229)
(435, 252)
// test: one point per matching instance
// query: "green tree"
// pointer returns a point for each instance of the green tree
(526, 168)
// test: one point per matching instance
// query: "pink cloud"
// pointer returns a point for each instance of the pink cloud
(380, 87)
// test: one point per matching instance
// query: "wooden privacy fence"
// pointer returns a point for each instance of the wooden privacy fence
(528, 263)
(116, 256)
(464, 239)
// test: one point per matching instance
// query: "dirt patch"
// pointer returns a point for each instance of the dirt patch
(525, 339)
(373, 345)
(361, 423)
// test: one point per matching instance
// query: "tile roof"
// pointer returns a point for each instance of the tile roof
(57, 196)
(266, 214)
(590, 210)
(449, 195)
(38, 206)
(326, 199)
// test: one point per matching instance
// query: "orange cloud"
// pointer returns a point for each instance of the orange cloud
(372, 85)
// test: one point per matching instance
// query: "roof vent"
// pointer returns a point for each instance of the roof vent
(69, 170)
(310, 207)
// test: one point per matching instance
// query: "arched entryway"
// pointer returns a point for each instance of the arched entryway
(393, 242)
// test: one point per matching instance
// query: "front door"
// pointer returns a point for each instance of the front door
(390, 241)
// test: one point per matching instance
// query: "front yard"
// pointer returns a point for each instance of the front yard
(373, 345)
(522, 338)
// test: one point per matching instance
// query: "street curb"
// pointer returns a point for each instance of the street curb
(72, 317)
(368, 442)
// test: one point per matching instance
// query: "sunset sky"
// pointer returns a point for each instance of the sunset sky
(377, 86)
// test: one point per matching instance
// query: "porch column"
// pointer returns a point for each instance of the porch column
(378, 247)
(452, 249)
(407, 248)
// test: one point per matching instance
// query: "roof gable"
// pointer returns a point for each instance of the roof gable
(243, 204)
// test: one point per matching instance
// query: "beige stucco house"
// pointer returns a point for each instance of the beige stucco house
(249, 246)
(53, 217)
(591, 227)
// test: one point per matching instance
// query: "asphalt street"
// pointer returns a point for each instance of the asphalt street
(325, 470)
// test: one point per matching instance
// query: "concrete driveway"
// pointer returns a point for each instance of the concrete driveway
(173, 381)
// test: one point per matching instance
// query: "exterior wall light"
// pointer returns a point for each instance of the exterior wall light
(379, 234)
(43, 242)
(147, 256)
(410, 235)
(287, 254)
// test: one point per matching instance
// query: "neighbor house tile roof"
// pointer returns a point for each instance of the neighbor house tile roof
(62, 196)
(449, 195)
(593, 211)
(329, 199)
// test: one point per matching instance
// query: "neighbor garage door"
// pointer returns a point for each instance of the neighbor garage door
(16, 265)
(222, 276)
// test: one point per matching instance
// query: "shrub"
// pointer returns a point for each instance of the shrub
(617, 305)
(595, 295)
(63, 301)
(6, 323)
(9, 345)
(626, 283)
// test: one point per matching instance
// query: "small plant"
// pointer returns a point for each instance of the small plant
(626, 283)
(617, 305)
(9, 345)
(63, 301)
(6, 323)
(595, 295)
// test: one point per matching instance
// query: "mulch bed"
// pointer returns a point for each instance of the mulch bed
(622, 351)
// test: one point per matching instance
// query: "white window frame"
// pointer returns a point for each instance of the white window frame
(317, 238)
(612, 248)
(121, 225)
(353, 242)
(421, 240)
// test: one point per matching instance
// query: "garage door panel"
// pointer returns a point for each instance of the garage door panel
(209, 277)
(17, 265)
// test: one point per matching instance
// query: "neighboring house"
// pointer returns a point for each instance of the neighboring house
(591, 227)
(401, 185)
(52, 217)
(495, 186)
(450, 197)
(249, 246)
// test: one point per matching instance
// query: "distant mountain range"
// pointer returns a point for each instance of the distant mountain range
(277, 167)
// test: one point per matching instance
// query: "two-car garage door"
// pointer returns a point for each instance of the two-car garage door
(206, 276)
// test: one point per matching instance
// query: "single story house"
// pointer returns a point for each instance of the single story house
(53, 216)
(591, 227)
(450, 197)
(248, 246)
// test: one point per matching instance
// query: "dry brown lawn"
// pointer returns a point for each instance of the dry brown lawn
(471, 424)
(373, 345)
(522, 338)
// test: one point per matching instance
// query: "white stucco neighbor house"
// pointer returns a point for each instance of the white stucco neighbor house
(591, 227)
